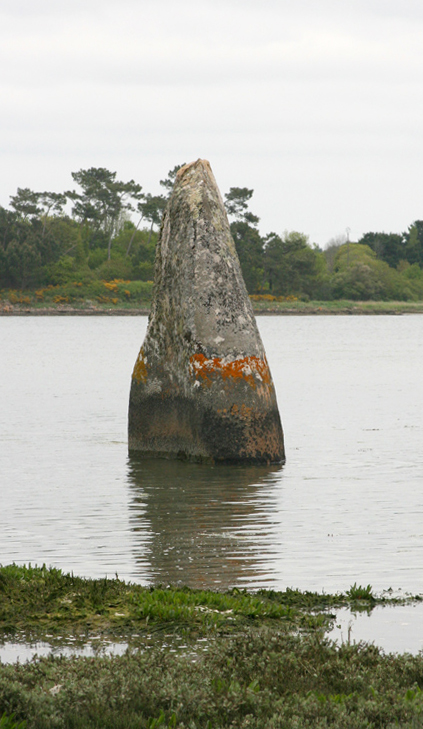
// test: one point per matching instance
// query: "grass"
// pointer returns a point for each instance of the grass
(35, 601)
(265, 660)
(134, 297)
(338, 307)
(357, 592)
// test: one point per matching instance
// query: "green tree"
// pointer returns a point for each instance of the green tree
(350, 254)
(10, 227)
(152, 208)
(332, 248)
(359, 275)
(389, 247)
(414, 243)
(61, 237)
(26, 203)
(139, 246)
(103, 200)
(249, 246)
(413, 275)
(358, 282)
(22, 261)
(40, 233)
(236, 204)
(248, 242)
(51, 205)
(169, 181)
(291, 266)
(21, 238)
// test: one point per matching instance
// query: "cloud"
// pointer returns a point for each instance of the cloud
(199, 43)
(293, 91)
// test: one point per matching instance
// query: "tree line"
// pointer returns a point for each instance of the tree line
(106, 229)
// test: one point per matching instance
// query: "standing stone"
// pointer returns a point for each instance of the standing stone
(201, 386)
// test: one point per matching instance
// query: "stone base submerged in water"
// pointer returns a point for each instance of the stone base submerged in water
(201, 386)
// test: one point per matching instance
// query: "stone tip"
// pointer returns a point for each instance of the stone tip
(198, 163)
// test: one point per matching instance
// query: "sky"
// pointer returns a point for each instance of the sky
(317, 105)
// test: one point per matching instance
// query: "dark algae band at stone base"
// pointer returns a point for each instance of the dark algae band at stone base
(201, 386)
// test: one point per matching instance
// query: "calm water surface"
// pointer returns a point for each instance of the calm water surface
(347, 506)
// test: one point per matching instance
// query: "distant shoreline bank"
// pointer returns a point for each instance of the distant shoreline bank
(298, 308)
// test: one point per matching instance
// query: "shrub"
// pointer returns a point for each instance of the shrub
(116, 268)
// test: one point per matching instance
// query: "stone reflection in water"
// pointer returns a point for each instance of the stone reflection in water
(205, 526)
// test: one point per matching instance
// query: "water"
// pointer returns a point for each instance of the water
(396, 628)
(347, 506)
(22, 652)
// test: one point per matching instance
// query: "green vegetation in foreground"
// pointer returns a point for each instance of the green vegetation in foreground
(8, 722)
(265, 663)
(35, 601)
(258, 680)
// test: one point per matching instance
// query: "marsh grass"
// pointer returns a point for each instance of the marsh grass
(265, 661)
(262, 678)
(35, 601)
(357, 592)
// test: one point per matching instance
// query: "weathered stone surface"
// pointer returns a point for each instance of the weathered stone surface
(201, 386)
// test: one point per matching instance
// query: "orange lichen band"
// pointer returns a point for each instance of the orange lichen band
(140, 368)
(249, 369)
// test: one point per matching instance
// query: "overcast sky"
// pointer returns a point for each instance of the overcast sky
(315, 104)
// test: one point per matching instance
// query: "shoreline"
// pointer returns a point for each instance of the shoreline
(332, 308)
